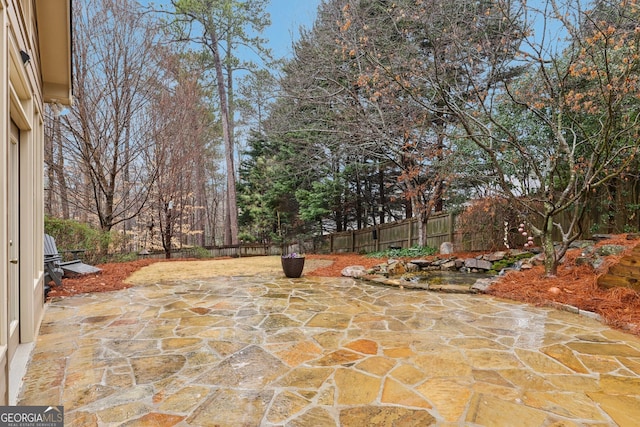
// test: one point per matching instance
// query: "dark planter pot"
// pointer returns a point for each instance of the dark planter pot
(292, 267)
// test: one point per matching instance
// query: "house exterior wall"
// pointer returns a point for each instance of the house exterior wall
(41, 28)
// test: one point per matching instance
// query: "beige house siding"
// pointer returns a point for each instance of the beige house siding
(42, 29)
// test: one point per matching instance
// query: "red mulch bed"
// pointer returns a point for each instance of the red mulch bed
(110, 279)
(577, 286)
(573, 285)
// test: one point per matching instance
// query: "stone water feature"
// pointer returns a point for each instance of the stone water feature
(465, 275)
(447, 274)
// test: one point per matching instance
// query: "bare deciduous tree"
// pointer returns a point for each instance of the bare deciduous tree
(568, 126)
(220, 26)
(114, 72)
(183, 146)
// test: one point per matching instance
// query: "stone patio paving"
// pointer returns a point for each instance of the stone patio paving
(265, 351)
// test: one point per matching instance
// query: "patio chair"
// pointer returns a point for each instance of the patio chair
(52, 259)
(55, 269)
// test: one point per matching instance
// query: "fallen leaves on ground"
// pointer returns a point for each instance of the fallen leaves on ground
(573, 285)
(111, 278)
(576, 285)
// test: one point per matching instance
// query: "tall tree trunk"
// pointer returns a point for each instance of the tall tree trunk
(408, 209)
(48, 160)
(62, 184)
(383, 198)
(612, 187)
(438, 192)
(85, 193)
(126, 224)
(167, 234)
(550, 262)
(231, 217)
(201, 202)
(361, 213)
(418, 207)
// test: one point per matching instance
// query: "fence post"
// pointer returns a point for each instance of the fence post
(353, 241)
(409, 233)
(451, 227)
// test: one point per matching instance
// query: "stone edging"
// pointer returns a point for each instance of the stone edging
(480, 286)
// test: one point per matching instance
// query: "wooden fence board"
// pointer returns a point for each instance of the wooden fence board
(400, 234)
(440, 228)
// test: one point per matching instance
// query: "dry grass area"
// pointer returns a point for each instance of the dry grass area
(116, 276)
(574, 285)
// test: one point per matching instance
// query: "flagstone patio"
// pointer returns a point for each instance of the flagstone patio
(263, 350)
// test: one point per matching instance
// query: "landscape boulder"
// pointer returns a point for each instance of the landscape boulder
(446, 248)
(607, 250)
(477, 264)
(495, 256)
(450, 265)
(355, 271)
(396, 268)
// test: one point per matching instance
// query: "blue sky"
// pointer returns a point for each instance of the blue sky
(286, 18)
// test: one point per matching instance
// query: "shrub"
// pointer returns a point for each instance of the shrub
(482, 225)
(412, 252)
(121, 257)
(72, 235)
(199, 252)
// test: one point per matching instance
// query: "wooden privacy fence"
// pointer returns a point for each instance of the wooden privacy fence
(401, 234)
(243, 250)
(485, 236)
(440, 228)
(477, 233)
